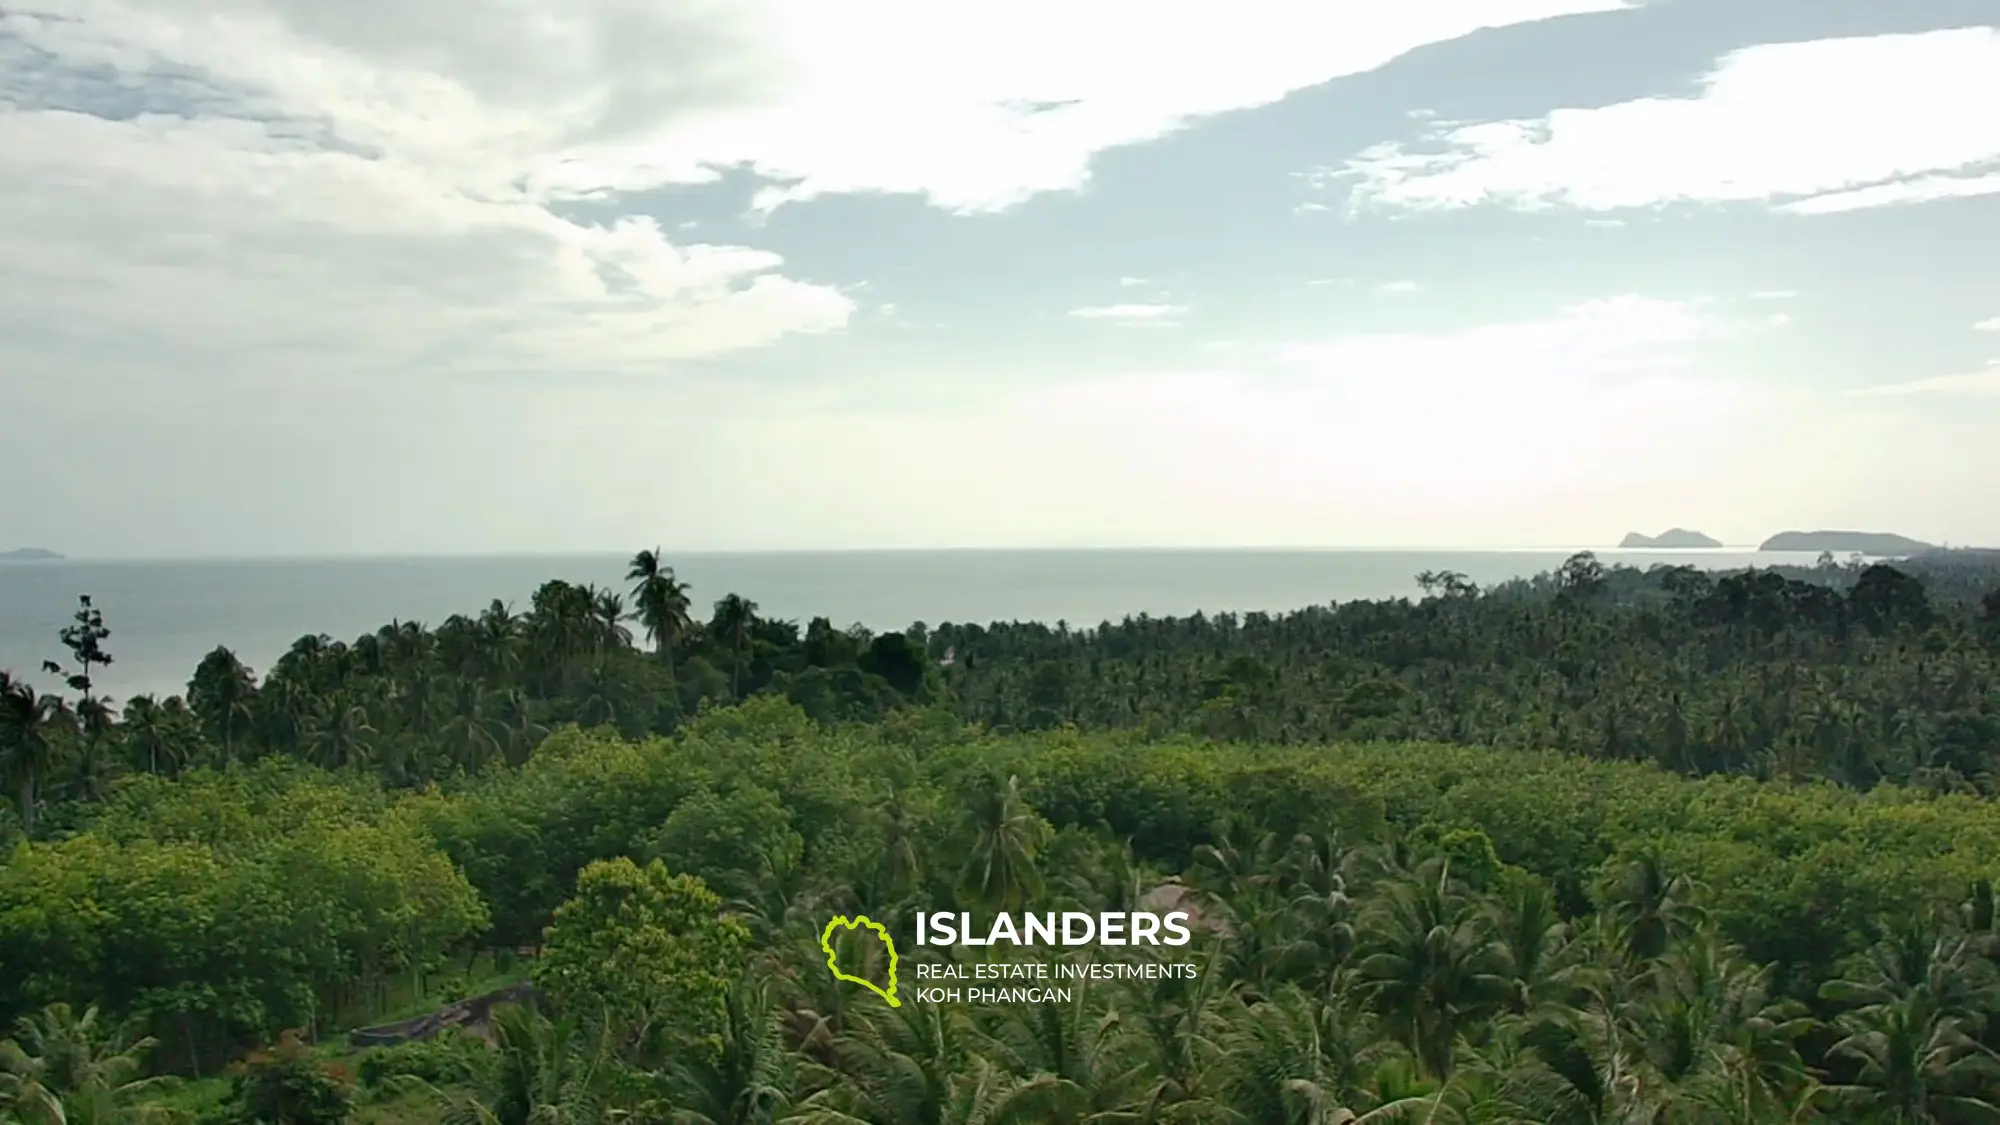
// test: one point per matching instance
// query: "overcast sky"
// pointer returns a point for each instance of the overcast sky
(375, 276)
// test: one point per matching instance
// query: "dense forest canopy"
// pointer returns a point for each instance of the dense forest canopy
(1599, 846)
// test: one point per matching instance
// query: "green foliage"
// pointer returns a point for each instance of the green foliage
(285, 1085)
(1598, 846)
(449, 1058)
(645, 948)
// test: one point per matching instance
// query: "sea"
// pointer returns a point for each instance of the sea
(165, 615)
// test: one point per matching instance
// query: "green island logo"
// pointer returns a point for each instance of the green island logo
(826, 943)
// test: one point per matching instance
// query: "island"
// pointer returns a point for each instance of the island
(1674, 538)
(1880, 544)
(29, 554)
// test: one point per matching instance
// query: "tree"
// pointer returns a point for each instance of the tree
(223, 695)
(1003, 836)
(1432, 966)
(287, 1086)
(85, 641)
(662, 604)
(735, 617)
(1884, 597)
(32, 726)
(543, 1072)
(645, 948)
(66, 1068)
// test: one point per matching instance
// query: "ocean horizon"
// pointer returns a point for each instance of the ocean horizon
(165, 614)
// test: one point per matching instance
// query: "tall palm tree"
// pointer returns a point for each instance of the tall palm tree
(31, 726)
(608, 606)
(1003, 835)
(498, 637)
(735, 616)
(224, 693)
(340, 735)
(661, 601)
(475, 733)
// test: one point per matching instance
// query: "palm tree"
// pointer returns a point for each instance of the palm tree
(735, 616)
(223, 692)
(1653, 909)
(662, 604)
(31, 726)
(608, 607)
(68, 1069)
(1004, 835)
(340, 735)
(541, 1073)
(1079, 1059)
(1917, 1005)
(1916, 1066)
(498, 639)
(1432, 967)
(751, 1079)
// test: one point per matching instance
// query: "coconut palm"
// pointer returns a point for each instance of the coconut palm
(542, 1072)
(68, 1068)
(1651, 907)
(750, 1081)
(1004, 836)
(1431, 966)
(735, 617)
(32, 728)
(661, 601)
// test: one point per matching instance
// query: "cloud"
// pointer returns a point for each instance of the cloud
(369, 186)
(349, 188)
(978, 106)
(1786, 123)
(1990, 324)
(1401, 287)
(1131, 314)
(1132, 282)
(1774, 294)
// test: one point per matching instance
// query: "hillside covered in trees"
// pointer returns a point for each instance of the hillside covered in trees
(1600, 846)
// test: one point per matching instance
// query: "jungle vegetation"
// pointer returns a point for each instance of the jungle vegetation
(1457, 860)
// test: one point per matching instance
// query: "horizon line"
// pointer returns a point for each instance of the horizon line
(712, 552)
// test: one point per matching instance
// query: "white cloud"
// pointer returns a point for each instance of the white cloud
(1130, 314)
(1990, 324)
(1132, 282)
(979, 105)
(1774, 294)
(297, 192)
(1778, 320)
(974, 104)
(1401, 287)
(377, 186)
(1784, 122)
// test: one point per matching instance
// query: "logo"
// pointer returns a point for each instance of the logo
(832, 958)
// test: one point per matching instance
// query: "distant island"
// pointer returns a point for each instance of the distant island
(1877, 543)
(1674, 538)
(29, 554)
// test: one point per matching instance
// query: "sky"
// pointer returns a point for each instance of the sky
(290, 277)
